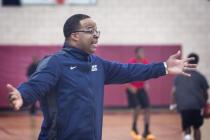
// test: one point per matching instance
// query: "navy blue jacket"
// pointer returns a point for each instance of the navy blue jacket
(77, 80)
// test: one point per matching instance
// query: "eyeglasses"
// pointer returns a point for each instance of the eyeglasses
(89, 31)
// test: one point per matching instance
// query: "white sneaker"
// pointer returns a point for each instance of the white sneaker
(187, 137)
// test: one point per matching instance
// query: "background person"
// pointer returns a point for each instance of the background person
(190, 95)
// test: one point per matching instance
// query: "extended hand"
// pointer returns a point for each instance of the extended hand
(15, 99)
(179, 66)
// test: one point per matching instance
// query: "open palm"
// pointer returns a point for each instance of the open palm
(179, 66)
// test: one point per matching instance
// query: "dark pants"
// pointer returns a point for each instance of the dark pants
(191, 118)
(138, 99)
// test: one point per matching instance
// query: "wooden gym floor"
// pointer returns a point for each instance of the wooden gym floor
(165, 126)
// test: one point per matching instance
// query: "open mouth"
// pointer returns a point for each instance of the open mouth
(94, 43)
(94, 46)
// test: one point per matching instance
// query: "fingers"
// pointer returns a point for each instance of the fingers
(190, 65)
(14, 97)
(13, 94)
(12, 105)
(186, 74)
(12, 100)
(10, 88)
(188, 69)
(189, 59)
(178, 54)
(16, 107)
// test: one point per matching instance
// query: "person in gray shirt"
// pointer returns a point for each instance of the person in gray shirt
(191, 95)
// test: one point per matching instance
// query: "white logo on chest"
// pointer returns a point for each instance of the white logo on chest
(94, 68)
(73, 67)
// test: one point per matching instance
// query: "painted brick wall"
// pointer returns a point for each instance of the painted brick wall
(185, 22)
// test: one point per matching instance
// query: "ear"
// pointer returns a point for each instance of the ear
(75, 36)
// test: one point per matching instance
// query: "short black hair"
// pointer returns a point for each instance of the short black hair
(73, 23)
(195, 60)
(137, 49)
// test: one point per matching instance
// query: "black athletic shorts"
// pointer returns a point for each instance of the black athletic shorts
(138, 99)
(191, 118)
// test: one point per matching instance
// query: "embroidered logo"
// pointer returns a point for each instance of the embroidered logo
(94, 68)
(73, 67)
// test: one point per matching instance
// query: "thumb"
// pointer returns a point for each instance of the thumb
(176, 55)
(10, 88)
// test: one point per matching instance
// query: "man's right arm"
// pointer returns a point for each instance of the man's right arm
(42, 81)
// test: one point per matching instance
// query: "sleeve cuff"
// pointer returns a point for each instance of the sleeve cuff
(166, 67)
(24, 95)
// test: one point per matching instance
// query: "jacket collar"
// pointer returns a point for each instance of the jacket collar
(76, 52)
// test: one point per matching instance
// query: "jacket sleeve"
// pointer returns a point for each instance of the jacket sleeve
(124, 73)
(42, 81)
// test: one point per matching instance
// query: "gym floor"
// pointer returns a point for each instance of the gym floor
(165, 125)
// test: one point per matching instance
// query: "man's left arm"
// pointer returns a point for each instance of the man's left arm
(124, 73)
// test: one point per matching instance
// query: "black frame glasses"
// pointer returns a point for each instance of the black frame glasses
(89, 31)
